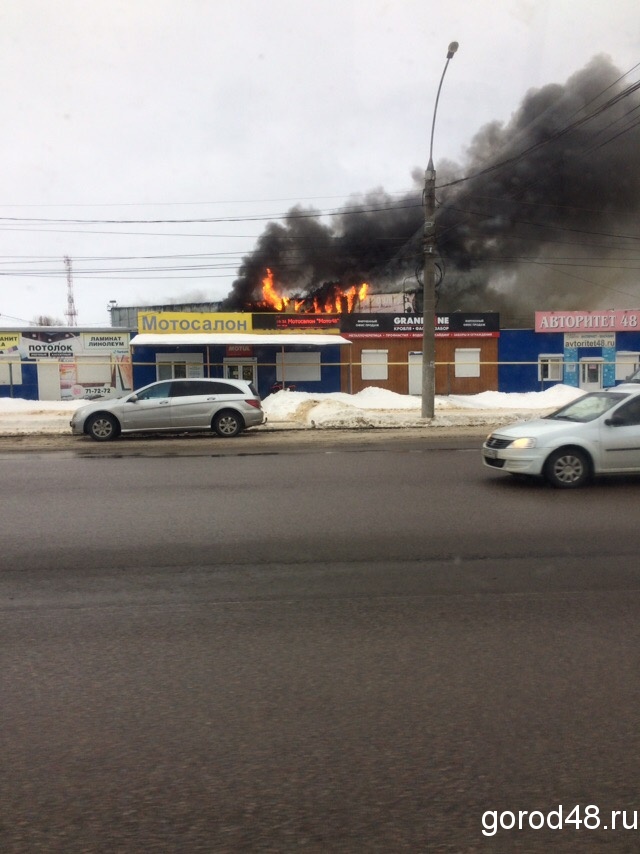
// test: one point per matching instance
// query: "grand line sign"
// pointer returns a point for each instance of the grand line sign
(587, 321)
(449, 325)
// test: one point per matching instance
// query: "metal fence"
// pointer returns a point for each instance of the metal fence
(12, 370)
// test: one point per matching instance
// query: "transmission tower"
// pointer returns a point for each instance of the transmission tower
(72, 314)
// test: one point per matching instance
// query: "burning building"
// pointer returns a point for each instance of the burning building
(541, 215)
(330, 298)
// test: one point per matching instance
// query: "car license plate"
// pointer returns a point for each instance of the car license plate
(490, 452)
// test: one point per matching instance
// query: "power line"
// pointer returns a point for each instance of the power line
(345, 211)
(510, 161)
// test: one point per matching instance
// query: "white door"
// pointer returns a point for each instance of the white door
(247, 370)
(591, 374)
(49, 380)
(415, 372)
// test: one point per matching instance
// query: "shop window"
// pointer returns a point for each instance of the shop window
(375, 364)
(179, 366)
(626, 364)
(467, 362)
(298, 367)
(550, 367)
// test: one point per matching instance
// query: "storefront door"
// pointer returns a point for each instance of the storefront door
(247, 370)
(415, 372)
(591, 374)
(49, 380)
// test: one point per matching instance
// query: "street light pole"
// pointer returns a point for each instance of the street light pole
(429, 283)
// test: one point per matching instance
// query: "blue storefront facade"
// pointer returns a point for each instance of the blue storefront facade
(313, 353)
(585, 349)
(270, 350)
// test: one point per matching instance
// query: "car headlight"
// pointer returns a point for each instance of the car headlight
(523, 443)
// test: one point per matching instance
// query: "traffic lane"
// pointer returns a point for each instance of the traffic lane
(418, 506)
(338, 723)
(249, 442)
(184, 585)
(329, 705)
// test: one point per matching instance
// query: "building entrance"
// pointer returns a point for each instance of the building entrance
(591, 374)
(247, 370)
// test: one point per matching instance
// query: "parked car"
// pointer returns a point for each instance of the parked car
(225, 406)
(598, 433)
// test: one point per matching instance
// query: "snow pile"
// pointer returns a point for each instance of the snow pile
(375, 407)
(25, 417)
(372, 407)
(551, 398)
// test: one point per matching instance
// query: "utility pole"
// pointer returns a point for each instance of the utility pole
(429, 283)
(72, 314)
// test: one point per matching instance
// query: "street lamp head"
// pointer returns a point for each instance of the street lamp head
(453, 47)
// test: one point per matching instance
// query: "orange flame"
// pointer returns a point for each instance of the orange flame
(338, 301)
(269, 294)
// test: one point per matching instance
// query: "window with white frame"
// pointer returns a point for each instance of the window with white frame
(374, 364)
(178, 366)
(467, 362)
(550, 367)
(626, 363)
(297, 367)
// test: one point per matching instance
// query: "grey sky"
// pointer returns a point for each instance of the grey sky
(182, 109)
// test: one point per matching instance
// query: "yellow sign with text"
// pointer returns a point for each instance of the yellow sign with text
(9, 341)
(189, 323)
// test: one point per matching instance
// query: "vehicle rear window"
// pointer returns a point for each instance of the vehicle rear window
(185, 388)
(226, 388)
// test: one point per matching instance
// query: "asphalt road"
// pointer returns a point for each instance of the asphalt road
(328, 647)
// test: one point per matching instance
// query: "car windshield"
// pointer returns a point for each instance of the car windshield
(588, 407)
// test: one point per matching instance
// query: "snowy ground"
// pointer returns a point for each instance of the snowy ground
(372, 407)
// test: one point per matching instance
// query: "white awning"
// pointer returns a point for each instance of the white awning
(204, 338)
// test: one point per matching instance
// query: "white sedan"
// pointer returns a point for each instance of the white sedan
(598, 433)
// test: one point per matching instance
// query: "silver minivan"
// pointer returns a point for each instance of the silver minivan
(225, 406)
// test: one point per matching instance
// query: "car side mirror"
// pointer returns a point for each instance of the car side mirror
(615, 421)
(132, 398)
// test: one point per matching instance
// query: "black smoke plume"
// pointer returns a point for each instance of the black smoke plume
(543, 214)
(368, 237)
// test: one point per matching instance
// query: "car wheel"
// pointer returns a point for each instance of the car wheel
(103, 427)
(568, 468)
(228, 424)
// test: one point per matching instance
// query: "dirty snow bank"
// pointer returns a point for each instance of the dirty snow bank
(372, 407)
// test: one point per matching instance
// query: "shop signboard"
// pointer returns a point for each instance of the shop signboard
(274, 321)
(90, 363)
(447, 325)
(192, 323)
(591, 322)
